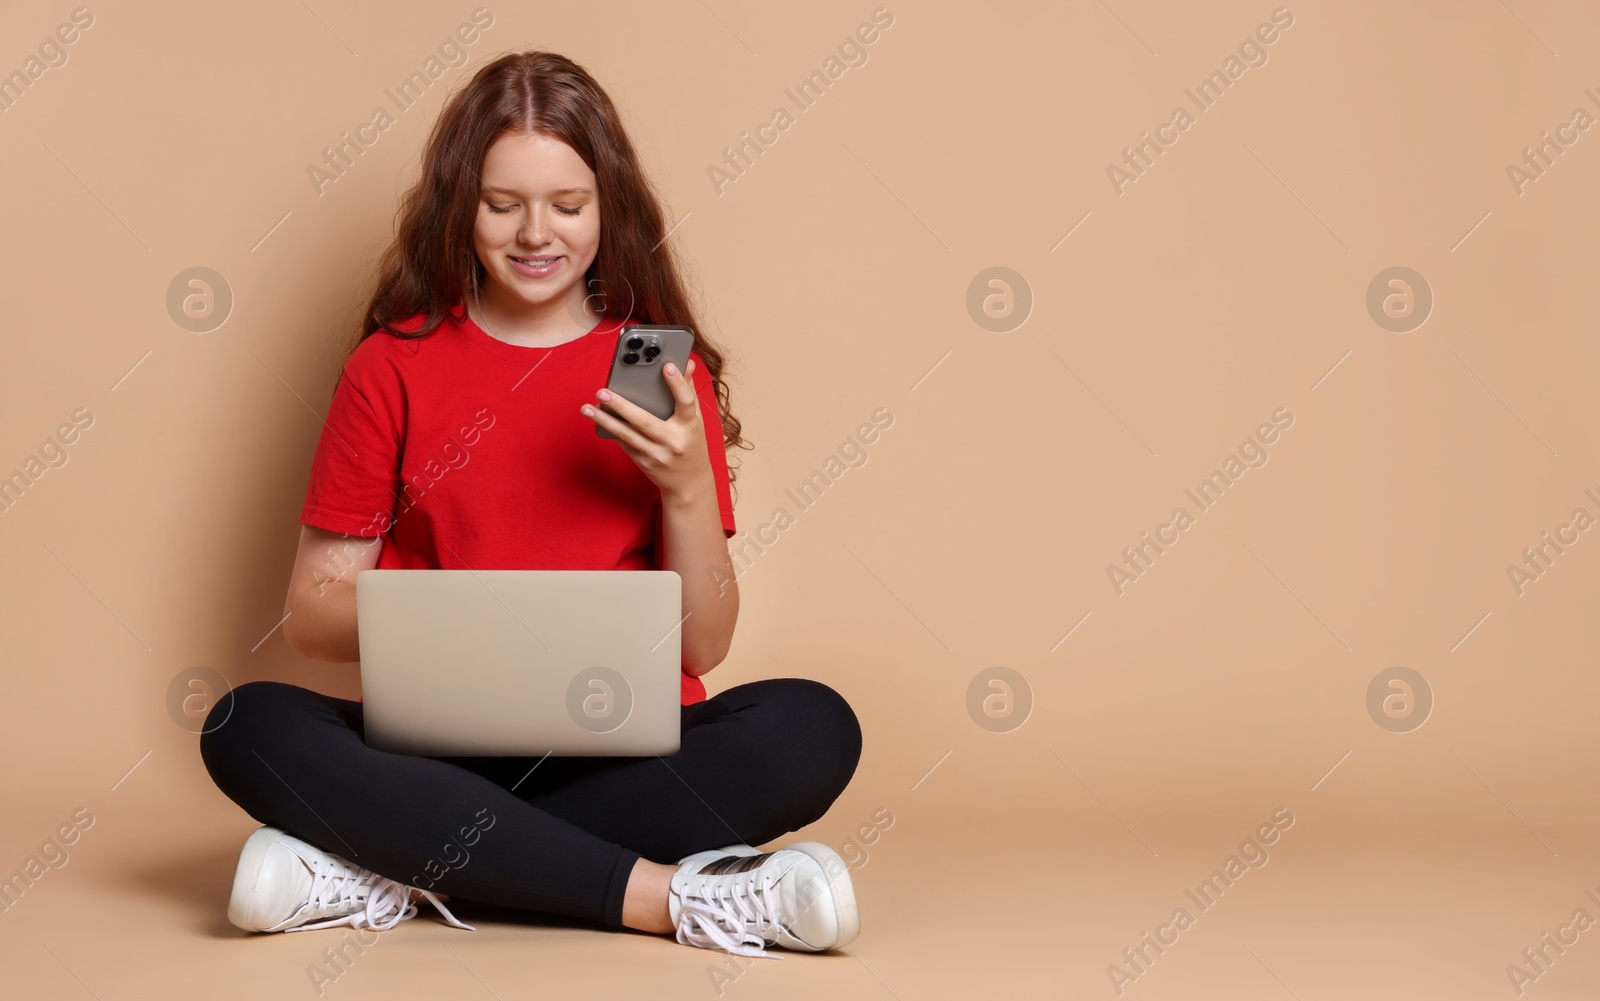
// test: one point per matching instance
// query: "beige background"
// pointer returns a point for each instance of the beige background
(1228, 282)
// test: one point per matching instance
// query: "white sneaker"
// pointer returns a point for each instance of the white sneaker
(716, 853)
(285, 884)
(740, 900)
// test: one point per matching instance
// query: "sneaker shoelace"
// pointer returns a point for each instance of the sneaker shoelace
(734, 917)
(344, 894)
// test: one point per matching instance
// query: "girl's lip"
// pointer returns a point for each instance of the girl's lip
(531, 271)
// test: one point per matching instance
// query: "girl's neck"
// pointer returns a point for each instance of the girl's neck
(541, 326)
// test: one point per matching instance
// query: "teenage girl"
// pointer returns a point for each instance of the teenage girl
(462, 434)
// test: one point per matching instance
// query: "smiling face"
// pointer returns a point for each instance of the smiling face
(537, 231)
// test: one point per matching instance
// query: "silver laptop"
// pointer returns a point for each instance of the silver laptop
(520, 662)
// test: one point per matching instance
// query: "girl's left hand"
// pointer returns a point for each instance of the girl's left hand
(671, 452)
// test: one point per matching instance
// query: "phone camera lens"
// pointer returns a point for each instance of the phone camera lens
(635, 342)
(631, 358)
(651, 352)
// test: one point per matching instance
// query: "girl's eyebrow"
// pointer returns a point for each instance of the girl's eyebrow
(563, 191)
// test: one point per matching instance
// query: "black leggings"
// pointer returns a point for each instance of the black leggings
(757, 761)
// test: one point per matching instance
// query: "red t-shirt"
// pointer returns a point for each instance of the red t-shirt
(465, 451)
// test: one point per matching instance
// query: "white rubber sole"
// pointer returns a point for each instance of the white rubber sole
(243, 902)
(837, 873)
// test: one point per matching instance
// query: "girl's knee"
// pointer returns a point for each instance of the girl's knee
(838, 715)
(245, 717)
(823, 723)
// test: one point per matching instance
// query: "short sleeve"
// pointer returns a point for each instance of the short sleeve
(711, 417)
(355, 472)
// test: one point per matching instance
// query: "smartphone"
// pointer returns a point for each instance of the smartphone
(642, 351)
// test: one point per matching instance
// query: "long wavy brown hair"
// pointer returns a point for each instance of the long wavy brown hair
(432, 265)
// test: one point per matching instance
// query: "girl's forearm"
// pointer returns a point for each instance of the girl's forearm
(695, 548)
